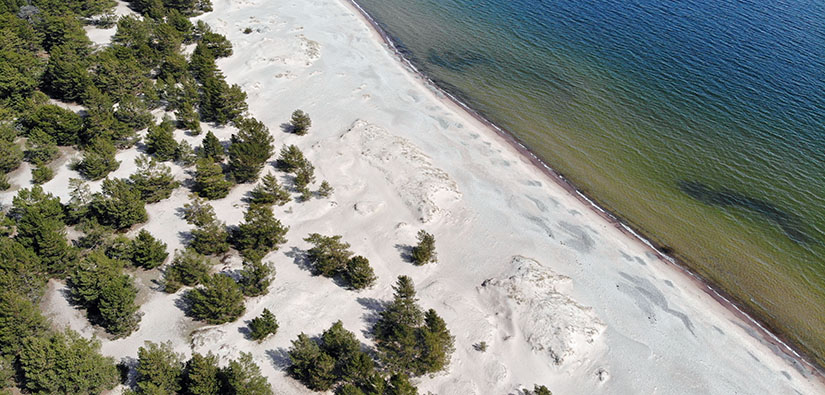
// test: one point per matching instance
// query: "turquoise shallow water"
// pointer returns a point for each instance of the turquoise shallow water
(702, 123)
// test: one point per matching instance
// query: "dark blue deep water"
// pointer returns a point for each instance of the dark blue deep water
(700, 122)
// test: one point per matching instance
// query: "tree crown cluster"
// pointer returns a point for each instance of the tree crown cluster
(330, 257)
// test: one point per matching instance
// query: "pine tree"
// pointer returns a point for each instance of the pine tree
(249, 149)
(329, 255)
(269, 192)
(210, 182)
(260, 233)
(212, 148)
(10, 156)
(67, 76)
(340, 344)
(400, 385)
(201, 375)
(325, 190)
(100, 118)
(64, 363)
(395, 330)
(153, 180)
(436, 343)
(98, 159)
(358, 273)
(300, 122)
(218, 302)
(187, 268)
(408, 340)
(160, 140)
(220, 102)
(263, 326)
(62, 125)
(424, 252)
(39, 219)
(199, 212)
(133, 114)
(108, 295)
(159, 369)
(304, 176)
(20, 318)
(256, 277)
(148, 252)
(290, 159)
(311, 365)
(20, 270)
(40, 148)
(185, 154)
(119, 204)
(210, 239)
(359, 369)
(243, 377)
(42, 174)
(188, 118)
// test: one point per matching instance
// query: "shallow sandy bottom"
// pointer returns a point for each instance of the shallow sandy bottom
(560, 296)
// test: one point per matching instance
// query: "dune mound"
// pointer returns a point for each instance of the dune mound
(532, 299)
(423, 187)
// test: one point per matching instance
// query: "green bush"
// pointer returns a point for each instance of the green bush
(64, 363)
(269, 192)
(187, 268)
(219, 301)
(159, 369)
(210, 182)
(256, 277)
(263, 326)
(249, 150)
(148, 252)
(359, 273)
(329, 255)
(424, 252)
(119, 204)
(108, 295)
(201, 375)
(64, 126)
(42, 174)
(160, 140)
(409, 341)
(260, 233)
(212, 148)
(153, 180)
(98, 159)
(300, 122)
(39, 219)
(40, 148)
(10, 155)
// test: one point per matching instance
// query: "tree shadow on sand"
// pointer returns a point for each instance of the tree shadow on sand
(280, 358)
(373, 308)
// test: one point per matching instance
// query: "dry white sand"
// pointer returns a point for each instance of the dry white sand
(560, 296)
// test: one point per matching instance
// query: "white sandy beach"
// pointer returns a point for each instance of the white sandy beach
(561, 296)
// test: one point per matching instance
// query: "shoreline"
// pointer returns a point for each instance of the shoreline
(783, 347)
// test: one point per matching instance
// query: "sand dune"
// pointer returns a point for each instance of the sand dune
(560, 296)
